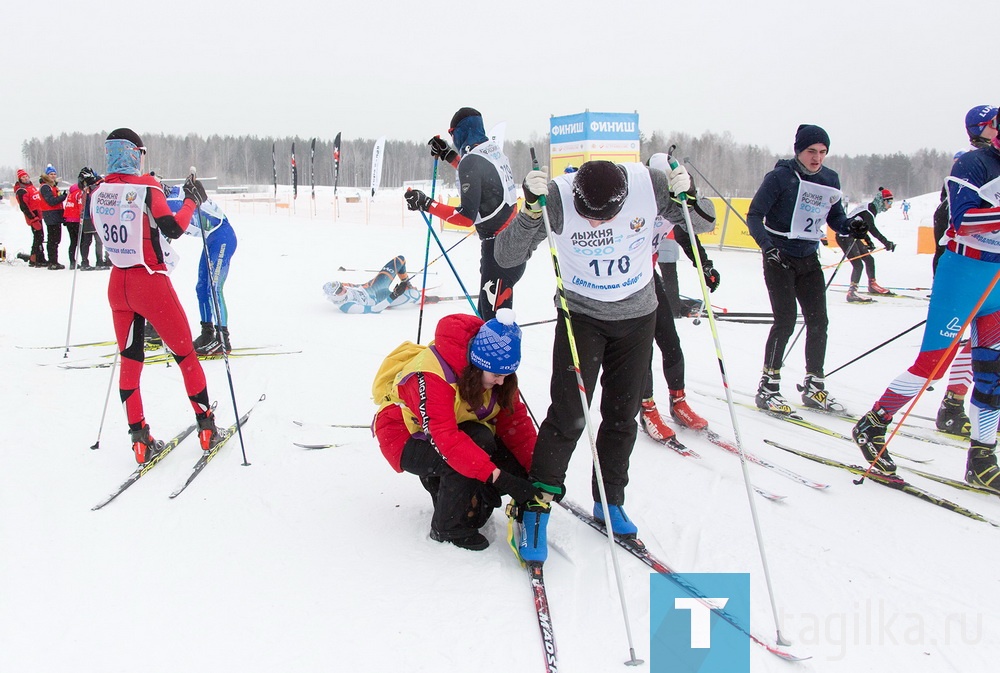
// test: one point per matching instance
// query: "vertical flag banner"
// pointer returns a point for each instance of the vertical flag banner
(336, 163)
(377, 152)
(295, 176)
(312, 168)
(274, 168)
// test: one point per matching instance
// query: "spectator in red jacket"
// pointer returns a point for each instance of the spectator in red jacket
(453, 417)
(29, 202)
(51, 206)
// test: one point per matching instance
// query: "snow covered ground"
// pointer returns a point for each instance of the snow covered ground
(321, 560)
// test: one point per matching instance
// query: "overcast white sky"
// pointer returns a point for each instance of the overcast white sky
(881, 76)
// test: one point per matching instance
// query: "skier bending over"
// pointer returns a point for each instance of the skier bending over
(375, 295)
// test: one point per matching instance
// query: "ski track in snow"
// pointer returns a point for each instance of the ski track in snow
(320, 560)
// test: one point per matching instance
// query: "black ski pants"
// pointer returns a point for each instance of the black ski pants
(853, 247)
(53, 228)
(462, 505)
(668, 341)
(802, 282)
(620, 351)
(496, 283)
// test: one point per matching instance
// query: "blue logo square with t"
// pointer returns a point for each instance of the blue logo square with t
(686, 635)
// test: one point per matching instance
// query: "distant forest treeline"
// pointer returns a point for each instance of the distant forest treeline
(734, 169)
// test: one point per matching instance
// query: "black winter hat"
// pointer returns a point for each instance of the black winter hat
(810, 134)
(127, 134)
(599, 190)
(462, 114)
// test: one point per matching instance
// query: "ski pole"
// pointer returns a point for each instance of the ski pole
(444, 254)
(851, 259)
(427, 253)
(945, 357)
(72, 299)
(732, 407)
(872, 350)
(217, 310)
(568, 322)
(107, 396)
(788, 349)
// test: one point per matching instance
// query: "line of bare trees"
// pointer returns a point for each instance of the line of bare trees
(735, 169)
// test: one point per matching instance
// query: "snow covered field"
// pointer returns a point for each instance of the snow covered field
(321, 560)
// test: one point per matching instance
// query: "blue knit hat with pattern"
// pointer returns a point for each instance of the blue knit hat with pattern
(496, 348)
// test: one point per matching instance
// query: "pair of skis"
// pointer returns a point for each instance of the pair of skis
(172, 444)
(636, 548)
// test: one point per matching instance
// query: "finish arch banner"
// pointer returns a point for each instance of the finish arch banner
(586, 136)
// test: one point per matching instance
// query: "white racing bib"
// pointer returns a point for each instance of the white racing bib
(613, 260)
(812, 204)
(117, 211)
(493, 152)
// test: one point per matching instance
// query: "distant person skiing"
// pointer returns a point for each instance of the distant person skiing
(488, 202)
(220, 239)
(131, 212)
(859, 250)
(905, 207)
(786, 218)
(965, 274)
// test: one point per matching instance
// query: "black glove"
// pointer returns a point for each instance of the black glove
(522, 490)
(773, 256)
(857, 227)
(194, 190)
(890, 246)
(417, 200)
(87, 177)
(440, 150)
(712, 277)
(824, 241)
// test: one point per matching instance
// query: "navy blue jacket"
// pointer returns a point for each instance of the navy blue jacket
(775, 202)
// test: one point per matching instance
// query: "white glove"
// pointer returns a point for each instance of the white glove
(679, 180)
(537, 182)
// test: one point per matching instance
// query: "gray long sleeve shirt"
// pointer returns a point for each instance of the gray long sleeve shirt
(516, 242)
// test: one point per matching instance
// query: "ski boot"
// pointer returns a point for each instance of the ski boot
(532, 544)
(854, 298)
(815, 396)
(869, 435)
(151, 337)
(769, 394)
(56, 266)
(653, 424)
(144, 446)
(621, 525)
(875, 288)
(209, 342)
(981, 466)
(474, 541)
(681, 412)
(951, 416)
(208, 434)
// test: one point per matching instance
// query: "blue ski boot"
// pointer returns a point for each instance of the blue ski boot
(620, 523)
(533, 544)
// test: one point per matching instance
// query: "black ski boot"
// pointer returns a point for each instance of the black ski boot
(206, 343)
(854, 298)
(815, 396)
(981, 466)
(151, 337)
(951, 416)
(226, 346)
(869, 435)
(769, 394)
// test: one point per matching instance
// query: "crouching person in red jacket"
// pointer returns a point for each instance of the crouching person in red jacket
(450, 414)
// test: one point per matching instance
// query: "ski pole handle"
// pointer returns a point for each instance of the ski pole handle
(673, 164)
(534, 166)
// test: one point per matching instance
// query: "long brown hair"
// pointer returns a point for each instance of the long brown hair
(470, 388)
